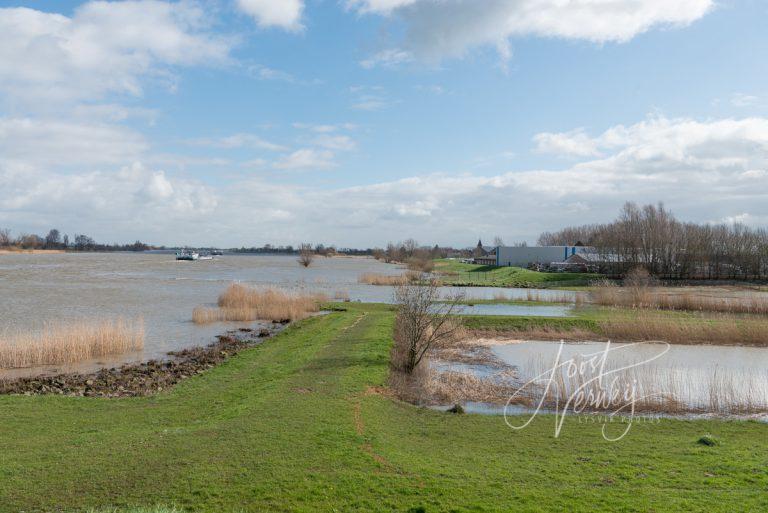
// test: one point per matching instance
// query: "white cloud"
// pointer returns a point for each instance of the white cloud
(448, 28)
(105, 47)
(325, 128)
(265, 73)
(744, 100)
(387, 58)
(660, 145)
(335, 142)
(370, 98)
(54, 142)
(285, 14)
(307, 158)
(239, 140)
(112, 203)
(573, 143)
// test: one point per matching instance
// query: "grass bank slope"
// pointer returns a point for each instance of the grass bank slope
(296, 425)
(453, 272)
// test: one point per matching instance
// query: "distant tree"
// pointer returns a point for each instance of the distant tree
(498, 241)
(83, 242)
(65, 241)
(306, 255)
(5, 237)
(53, 239)
(29, 241)
(409, 247)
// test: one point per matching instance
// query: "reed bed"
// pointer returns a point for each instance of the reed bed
(241, 303)
(59, 343)
(646, 327)
(716, 330)
(428, 385)
(341, 295)
(533, 295)
(653, 298)
(393, 280)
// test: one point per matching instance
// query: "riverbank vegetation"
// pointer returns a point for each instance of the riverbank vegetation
(63, 343)
(631, 325)
(389, 279)
(242, 303)
(651, 297)
(55, 240)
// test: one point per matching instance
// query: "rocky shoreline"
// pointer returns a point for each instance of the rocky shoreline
(141, 379)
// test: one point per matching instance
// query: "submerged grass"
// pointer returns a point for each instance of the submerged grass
(298, 424)
(60, 343)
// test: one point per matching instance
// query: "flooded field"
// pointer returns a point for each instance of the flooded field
(39, 289)
(655, 377)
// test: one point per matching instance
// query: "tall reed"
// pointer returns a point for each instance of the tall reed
(716, 330)
(385, 279)
(59, 343)
(608, 294)
(241, 303)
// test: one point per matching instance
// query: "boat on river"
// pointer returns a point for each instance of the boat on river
(186, 254)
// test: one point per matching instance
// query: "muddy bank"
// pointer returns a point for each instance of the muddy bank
(140, 379)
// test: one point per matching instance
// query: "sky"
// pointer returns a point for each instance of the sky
(360, 122)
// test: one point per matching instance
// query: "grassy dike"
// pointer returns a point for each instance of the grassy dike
(296, 425)
(453, 272)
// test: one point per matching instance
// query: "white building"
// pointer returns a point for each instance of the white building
(525, 256)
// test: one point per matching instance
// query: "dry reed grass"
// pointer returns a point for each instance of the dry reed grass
(646, 327)
(392, 280)
(241, 303)
(422, 265)
(341, 295)
(608, 294)
(59, 344)
(718, 330)
(428, 385)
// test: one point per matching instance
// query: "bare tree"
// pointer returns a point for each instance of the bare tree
(306, 254)
(423, 320)
(5, 237)
(53, 239)
(651, 237)
(498, 241)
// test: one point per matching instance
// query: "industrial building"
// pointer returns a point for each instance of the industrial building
(524, 256)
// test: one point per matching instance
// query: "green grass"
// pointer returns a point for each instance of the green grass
(521, 323)
(457, 273)
(291, 426)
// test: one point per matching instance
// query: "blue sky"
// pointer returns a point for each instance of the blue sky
(363, 121)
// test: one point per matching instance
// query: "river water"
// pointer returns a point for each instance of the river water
(36, 289)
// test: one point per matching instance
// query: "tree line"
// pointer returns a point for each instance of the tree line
(651, 237)
(56, 240)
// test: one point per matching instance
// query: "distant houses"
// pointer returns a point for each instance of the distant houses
(577, 257)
